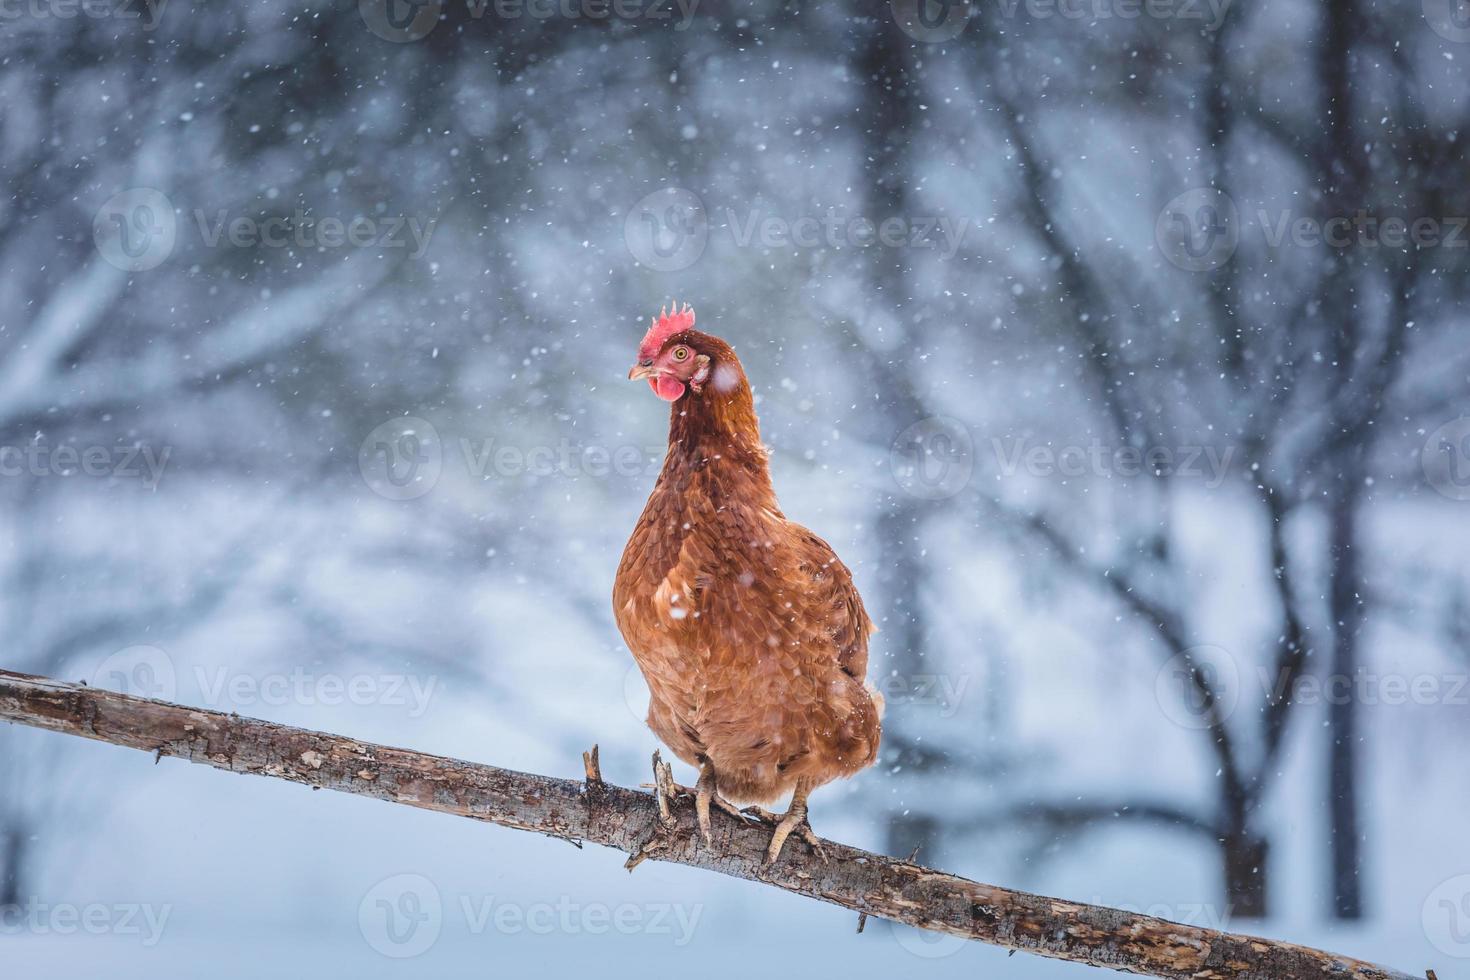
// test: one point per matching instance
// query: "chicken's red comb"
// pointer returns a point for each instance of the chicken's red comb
(663, 328)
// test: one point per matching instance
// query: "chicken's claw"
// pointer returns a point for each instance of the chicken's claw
(704, 793)
(794, 821)
(761, 815)
(797, 824)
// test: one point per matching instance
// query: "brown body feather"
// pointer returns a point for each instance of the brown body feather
(747, 627)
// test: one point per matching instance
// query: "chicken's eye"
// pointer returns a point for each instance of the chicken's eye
(681, 353)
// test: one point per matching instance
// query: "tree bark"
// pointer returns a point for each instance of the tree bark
(661, 828)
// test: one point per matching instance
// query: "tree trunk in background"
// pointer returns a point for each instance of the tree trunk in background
(1245, 854)
(1343, 169)
(1245, 857)
(887, 118)
(13, 845)
(1342, 706)
(909, 825)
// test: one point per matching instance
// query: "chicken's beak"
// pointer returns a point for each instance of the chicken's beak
(641, 371)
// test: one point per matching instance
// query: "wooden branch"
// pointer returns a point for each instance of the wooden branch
(632, 821)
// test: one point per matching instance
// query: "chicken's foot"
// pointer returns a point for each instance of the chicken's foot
(705, 794)
(794, 821)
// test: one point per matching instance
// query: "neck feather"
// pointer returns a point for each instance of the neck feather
(718, 427)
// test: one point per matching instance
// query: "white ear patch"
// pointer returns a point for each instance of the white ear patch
(701, 374)
(725, 377)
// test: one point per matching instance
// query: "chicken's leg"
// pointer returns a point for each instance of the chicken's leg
(795, 821)
(705, 793)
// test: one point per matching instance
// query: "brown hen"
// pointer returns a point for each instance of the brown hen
(747, 627)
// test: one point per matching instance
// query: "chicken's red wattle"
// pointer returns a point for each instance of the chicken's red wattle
(667, 388)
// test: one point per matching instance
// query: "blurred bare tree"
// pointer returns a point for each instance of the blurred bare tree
(520, 146)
